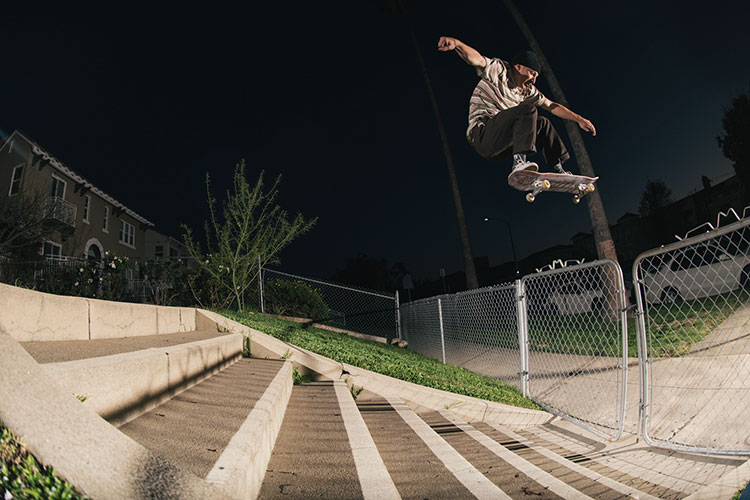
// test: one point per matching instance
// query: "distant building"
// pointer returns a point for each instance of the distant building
(88, 222)
(161, 246)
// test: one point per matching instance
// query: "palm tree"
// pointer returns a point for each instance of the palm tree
(605, 246)
(399, 7)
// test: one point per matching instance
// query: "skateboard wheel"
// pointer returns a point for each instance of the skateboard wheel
(591, 188)
(530, 197)
(546, 184)
(576, 199)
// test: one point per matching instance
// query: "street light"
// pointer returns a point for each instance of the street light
(510, 233)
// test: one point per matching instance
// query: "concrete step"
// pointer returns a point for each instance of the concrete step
(581, 478)
(629, 462)
(421, 463)
(513, 474)
(57, 351)
(324, 449)
(223, 428)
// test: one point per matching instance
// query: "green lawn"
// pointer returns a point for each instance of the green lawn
(388, 360)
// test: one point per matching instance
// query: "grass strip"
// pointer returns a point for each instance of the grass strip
(393, 361)
(22, 477)
(672, 329)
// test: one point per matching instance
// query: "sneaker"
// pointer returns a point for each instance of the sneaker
(525, 165)
(559, 170)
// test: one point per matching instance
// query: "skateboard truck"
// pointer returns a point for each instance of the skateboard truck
(537, 187)
(582, 190)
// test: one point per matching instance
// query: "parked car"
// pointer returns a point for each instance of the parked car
(696, 272)
(573, 298)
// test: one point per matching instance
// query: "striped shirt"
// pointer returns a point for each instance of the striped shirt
(497, 92)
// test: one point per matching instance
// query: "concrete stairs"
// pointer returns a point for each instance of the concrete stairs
(246, 432)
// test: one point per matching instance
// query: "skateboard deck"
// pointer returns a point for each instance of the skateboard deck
(536, 182)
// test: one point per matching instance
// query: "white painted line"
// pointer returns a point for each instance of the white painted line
(535, 473)
(580, 469)
(467, 474)
(374, 478)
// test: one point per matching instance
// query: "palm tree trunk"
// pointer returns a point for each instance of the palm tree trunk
(469, 269)
(605, 246)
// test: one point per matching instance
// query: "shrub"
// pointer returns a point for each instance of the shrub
(294, 298)
(22, 476)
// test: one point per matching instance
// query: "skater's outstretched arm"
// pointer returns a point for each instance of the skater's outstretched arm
(468, 54)
(562, 112)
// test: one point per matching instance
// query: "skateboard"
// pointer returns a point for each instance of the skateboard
(536, 182)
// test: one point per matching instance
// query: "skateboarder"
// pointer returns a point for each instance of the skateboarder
(503, 116)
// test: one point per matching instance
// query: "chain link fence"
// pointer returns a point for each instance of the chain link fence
(576, 331)
(694, 311)
(477, 330)
(559, 336)
(345, 307)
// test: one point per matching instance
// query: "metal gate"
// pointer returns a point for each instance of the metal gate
(694, 337)
(576, 344)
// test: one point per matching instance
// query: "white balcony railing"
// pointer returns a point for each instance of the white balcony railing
(58, 209)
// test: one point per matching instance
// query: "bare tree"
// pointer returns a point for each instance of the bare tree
(22, 222)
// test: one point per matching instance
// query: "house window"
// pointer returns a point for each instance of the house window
(15, 180)
(86, 204)
(105, 226)
(52, 250)
(57, 188)
(127, 233)
(158, 251)
(172, 253)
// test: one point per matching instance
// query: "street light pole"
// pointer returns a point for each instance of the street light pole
(510, 233)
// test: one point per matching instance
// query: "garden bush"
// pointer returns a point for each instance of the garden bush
(294, 298)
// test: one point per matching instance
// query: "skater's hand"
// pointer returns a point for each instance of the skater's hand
(447, 43)
(586, 125)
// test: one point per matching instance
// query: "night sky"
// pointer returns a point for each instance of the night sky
(144, 102)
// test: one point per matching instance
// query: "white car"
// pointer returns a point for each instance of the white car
(572, 298)
(696, 272)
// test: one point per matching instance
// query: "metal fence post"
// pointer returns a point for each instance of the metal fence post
(442, 333)
(523, 337)
(260, 286)
(398, 316)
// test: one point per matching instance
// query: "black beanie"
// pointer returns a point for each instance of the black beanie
(528, 59)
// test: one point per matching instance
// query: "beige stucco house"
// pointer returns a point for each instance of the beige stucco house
(87, 221)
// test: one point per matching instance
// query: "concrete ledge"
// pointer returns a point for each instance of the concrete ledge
(38, 316)
(123, 386)
(419, 397)
(265, 346)
(83, 448)
(241, 467)
(31, 315)
(111, 320)
(174, 319)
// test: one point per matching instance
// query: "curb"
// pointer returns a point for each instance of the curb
(241, 467)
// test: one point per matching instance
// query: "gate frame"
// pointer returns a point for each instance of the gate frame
(644, 359)
(623, 320)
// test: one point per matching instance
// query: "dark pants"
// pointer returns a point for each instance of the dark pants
(518, 130)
